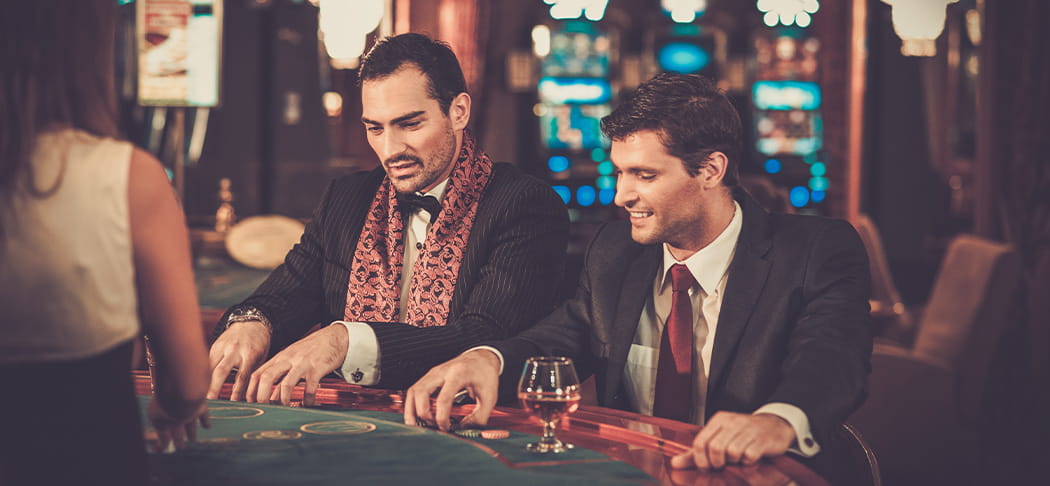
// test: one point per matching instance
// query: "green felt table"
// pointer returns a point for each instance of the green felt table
(272, 444)
(357, 436)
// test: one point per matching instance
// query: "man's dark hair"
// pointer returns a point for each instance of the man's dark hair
(693, 117)
(433, 57)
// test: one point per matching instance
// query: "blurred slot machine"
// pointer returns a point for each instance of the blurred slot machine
(788, 129)
(574, 92)
(688, 48)
(168, 59)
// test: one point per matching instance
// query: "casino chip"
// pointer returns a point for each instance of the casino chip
(471, 433)
(495, 434)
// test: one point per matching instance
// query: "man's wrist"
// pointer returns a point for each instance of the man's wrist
(493, 354)
(248, 313)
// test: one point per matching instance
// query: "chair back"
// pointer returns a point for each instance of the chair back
(862, 457)
(966, 313)
(883, 290)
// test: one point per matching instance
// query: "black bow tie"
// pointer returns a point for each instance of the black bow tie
(407, 203)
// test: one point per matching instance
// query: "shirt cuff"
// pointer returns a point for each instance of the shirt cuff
(361, 365)
(494, 351)
(805, 445)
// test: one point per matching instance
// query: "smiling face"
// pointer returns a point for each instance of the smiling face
(665, 203)
(415, 141)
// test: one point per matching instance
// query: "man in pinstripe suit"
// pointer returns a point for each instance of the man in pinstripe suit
(434, 252)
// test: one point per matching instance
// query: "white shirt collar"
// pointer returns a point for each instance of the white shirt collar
(710, 263)
(438, 191)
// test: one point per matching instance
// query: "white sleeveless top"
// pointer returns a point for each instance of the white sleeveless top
(67, 281)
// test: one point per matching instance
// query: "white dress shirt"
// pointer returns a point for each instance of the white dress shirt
(361, 365)
(709, 267)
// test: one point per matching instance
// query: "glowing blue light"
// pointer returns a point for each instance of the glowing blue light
(574, 90)
(606, 168)
(558, 163)
(598, 154)
(799, 196)
(564, 192)
(606, 182)
(818, 183)
(773, 166)
(817, 196)
(585, 195)
(683, 57)
(806, 145)
(818, 169)
(606, 196)
(786, 95)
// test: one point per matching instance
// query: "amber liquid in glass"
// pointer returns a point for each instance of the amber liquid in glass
(549, 407)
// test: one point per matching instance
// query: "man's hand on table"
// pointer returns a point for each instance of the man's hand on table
(308, 359)
(736, 438)
(242, 346)
(476, 371)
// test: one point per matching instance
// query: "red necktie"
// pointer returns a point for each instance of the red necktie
(674, 377)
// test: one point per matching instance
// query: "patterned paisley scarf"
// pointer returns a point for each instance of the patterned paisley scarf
(374, 291)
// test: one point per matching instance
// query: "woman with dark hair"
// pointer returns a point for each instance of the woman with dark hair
(90, 237)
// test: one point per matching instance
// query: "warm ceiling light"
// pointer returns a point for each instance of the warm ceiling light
(345, 26)
(684, 11)
(593, 10)
(788, 12)
(918, 23)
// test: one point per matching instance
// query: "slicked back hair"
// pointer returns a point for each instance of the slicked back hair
(434, 58)
(692, 116)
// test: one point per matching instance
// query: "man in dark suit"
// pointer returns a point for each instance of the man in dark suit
(414, 262)
(703, 307)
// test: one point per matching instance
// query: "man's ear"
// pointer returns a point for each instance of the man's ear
(459, 111)
(714, 170)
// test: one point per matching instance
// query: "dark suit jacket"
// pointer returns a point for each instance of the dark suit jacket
(514, 259)
(793, 327)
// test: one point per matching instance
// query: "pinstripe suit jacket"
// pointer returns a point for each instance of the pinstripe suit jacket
(793, 327)
(513, 263)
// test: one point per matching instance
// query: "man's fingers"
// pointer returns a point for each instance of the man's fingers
(421, 400)
(700, 458)
(252, 392)
(752, 454)
(718, 447)
(310, 391)
(444, 404)
(683, 460)
(410, 406)
(486, 401)
(736, 447)
(287, 385)
(218, 376)
(241, 382)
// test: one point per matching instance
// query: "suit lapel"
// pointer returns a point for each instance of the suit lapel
(747, 277)
(637, 287)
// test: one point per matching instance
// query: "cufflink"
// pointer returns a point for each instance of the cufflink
(809, 442)
(358, 375)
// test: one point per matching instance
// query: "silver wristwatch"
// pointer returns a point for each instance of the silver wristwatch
(247, 313)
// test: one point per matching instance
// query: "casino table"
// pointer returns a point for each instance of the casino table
(356, 435)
